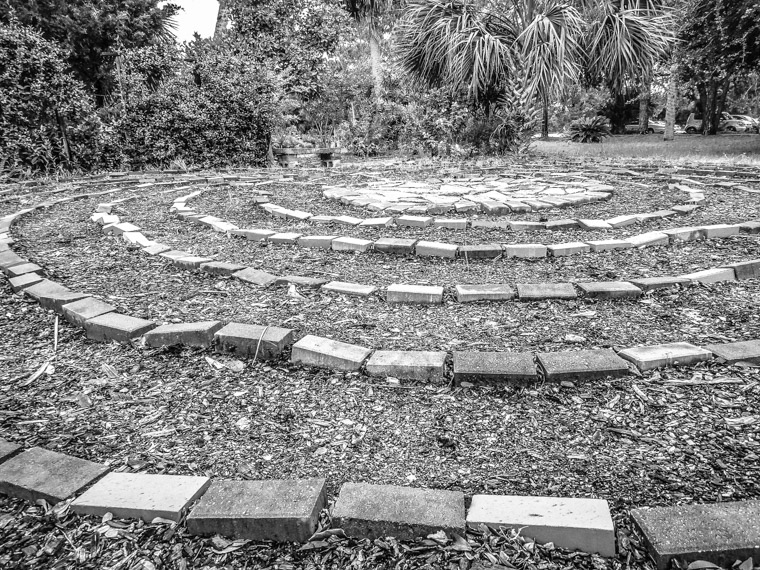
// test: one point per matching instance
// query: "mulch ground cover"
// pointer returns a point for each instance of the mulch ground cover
(666, 437)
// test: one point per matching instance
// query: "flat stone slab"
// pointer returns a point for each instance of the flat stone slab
(732, 352)
(156, 249)
(26, 280)
(377, 222)
(659, 355)
(651, 283)
(720, 230)
(495, 292)
(285, 238)
(174, 254)
(115, 326)
(484, 251)
(436, 249)
(200, 334)
(750, 227)
(317, 242)
(609, 244)
(21, 269)
(649, 239)
(253, 235)
(746, 269)
(450, 223)
(622, 221)
(594, 224)
(351, 244)
(526, 250)
(141, 496)
(414, 221)
(720, 533)
(574, 524)
(516, 367)
(376, 511)
(395, 245)
(407, 365)
(8, 450)
(255, 276)
(418, 294)
(221, 268)
(349, 288)
(78, 312)
(582, 365)
(570, 248)
(610, 290)
(255, 341)
(327, 353)
(301, 281)
(565, 224)
(277, 510)
(541, 291)
(714, 275)
(53, 296)
(41, 474)
(191, 262)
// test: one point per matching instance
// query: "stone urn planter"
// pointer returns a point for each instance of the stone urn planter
(288, 157)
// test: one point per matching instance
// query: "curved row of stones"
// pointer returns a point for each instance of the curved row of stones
(288, 510)
(418, 294)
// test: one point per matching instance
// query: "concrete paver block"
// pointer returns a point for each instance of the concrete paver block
(714, 275)
(351, 244)
(141, 496)
(199, 334)
(407, 365)
(574, 524)
(582, 365)
(221, 268)
(721, 230)
(594, 224)
(115, 326)
(570, 248)
(732, 352)
(436, 249)
(395, 245)
(651, 283)
(256, 341)
(41, 474)
(191, 262)
(376, 511)
(284, 238)
(486, 292)
(746, 269)
(450, 223)
(327, 353)
(21, 269)
(649, 239)
(610, 290)
(515, 367)
(526, 250)
(26, 280)
(565, 224)
(8, 450)
(541, 291)
(414, 221)
(609, 244)
(52, 296)
(317, 242)
(349, 288)
(659, 355)
(377, 222)
(255, 276)
(80, 311)
(301, 281)
(721, 533)
(418, 294)
(277, 510)
(482, 251)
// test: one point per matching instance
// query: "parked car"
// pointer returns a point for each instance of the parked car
(753, 124)
(653, 127)
(727, 123)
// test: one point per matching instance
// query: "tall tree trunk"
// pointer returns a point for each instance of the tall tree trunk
(376, 58)
(644, 108)
(222, 20)
(670, 108)
(545, 122)
(64, 136)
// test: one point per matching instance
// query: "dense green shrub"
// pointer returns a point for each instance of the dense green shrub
(218, 109)
(47, 120)
(590, 129)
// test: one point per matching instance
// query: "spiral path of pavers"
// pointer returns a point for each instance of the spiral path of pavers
(288, 510)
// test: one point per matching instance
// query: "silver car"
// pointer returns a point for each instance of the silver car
(654, 126)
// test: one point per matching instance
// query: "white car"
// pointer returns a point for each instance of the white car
(653, 126)
(752, 124)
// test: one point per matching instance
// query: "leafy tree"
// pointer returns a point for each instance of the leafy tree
(718, 40)
(47, 120)
(91, 32)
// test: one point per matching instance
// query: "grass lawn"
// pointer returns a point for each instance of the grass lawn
(724, 149)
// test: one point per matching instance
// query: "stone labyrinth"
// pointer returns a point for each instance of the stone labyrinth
(451, 279)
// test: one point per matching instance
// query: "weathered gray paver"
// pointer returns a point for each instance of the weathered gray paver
(173, 254)
(395, 245)
(574, 524)
(515, 367)
(541, 291)
(721, 230)
(351, 244)
(436, 249)
(8, 450)
(752, 227)
(301, 281)
(284, 238)
(244, 340)
(199, 334)
(317, 242)
(88, 308)
(565, 224)
(376, 511)
(714, 275)
(349, 288)
(141, 496)
(407, 365)
(414, 221)
(52, 296)
(156, 249)
(191, 261)
(277, 510)
(721, 533)
(483, 251)
(746, 269)
(610, 290)
(658, 355)
(41, 474)
(255, 276)
(327, 353)
(115, 326)
(21, 269)
(649, 239)
(450, 223)
(732, 352)
(594, 224)
(26, 280)
(419, 294)
(486, 292)
(582, 365)
(570, 248)
(221, 268)
(650, 283)
(526, 250)
(609, 244)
